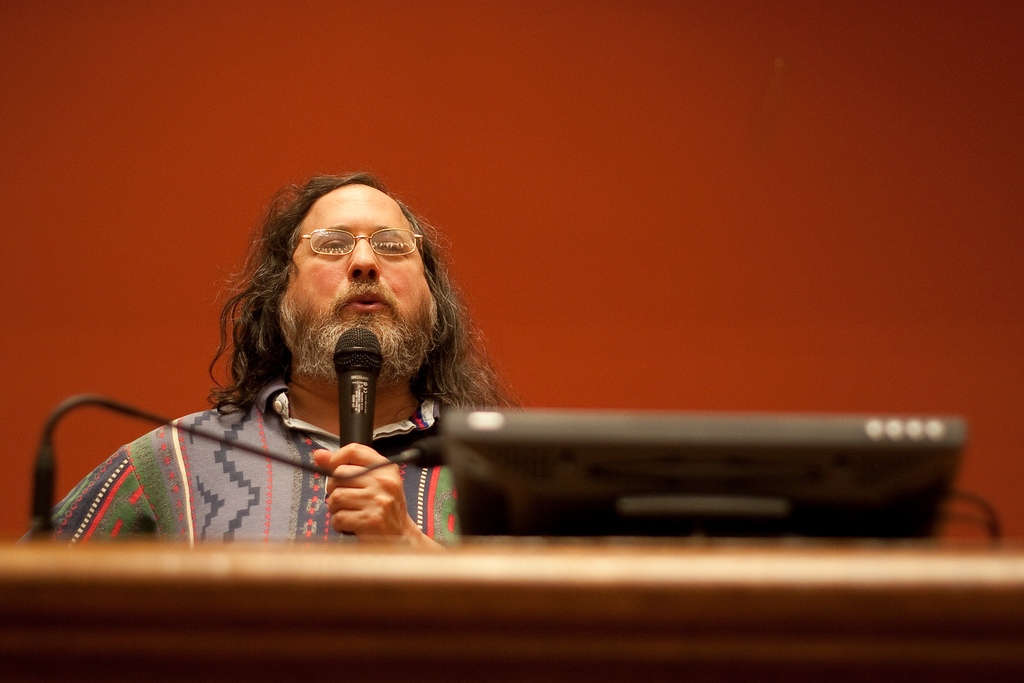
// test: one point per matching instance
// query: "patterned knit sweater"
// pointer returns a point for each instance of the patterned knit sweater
(187, 488)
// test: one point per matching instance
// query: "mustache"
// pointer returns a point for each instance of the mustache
(360, 290)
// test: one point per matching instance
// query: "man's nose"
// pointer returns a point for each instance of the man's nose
(362, 262)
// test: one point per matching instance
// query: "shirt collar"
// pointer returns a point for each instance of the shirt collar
(275, 397)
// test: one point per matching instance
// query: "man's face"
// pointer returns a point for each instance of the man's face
(328, 293)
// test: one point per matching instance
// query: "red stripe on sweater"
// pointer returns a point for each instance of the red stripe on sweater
(110, 496)
(435, 474)
(135, 496)
(270, 480)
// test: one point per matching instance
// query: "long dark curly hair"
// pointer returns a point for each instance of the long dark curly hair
(456, 371)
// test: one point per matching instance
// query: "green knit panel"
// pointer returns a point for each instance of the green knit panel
(162, 494)
(446, 516)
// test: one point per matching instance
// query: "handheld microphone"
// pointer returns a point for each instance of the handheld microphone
(357, 361)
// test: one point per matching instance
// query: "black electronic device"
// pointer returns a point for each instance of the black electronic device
(587, 473)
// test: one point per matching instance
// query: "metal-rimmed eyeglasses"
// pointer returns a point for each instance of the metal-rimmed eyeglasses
(386, 241)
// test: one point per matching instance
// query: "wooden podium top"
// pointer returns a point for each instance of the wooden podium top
(507, 610)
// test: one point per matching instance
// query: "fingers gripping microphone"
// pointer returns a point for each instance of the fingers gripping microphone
(357, 361)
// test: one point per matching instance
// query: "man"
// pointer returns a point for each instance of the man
(338, 252)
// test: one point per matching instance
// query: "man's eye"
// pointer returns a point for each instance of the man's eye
(388, 242)
(334, 243)
(390, 247)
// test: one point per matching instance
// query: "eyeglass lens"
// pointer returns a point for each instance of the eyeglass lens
(385, 242)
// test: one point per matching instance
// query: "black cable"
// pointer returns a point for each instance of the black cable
(42, 500)
(989, 517)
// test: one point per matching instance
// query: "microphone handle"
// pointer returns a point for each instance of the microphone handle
(357, 390)
(42, 492)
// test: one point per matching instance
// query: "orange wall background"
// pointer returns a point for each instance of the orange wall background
(792, 206)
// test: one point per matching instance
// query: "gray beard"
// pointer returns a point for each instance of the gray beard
(311, 337)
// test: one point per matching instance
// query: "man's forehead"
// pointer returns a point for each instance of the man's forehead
(355, 205)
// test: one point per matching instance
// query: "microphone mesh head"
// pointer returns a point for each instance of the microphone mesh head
(357, 348)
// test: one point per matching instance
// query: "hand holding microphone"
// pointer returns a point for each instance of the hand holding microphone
(373, 504)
